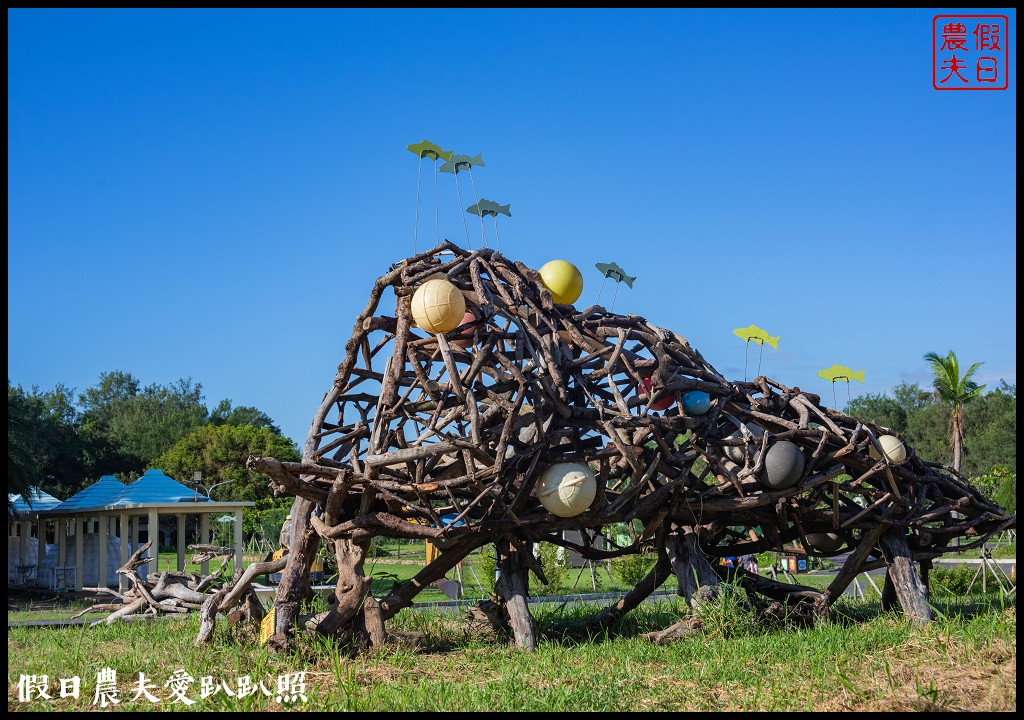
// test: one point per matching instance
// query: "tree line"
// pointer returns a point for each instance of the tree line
(61, 441)
(954, 422)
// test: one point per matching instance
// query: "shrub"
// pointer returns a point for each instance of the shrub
(552, 561)
(631, 569)
(955, 581)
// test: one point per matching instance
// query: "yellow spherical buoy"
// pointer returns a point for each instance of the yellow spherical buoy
(438, 306)
(563, 279)
(894, 449)
(567, 489)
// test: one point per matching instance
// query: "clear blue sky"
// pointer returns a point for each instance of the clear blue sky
(210, 194)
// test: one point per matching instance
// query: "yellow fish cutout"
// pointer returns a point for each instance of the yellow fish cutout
(755, 333)
(840, 373)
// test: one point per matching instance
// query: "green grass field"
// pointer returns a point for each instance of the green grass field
(859, 660)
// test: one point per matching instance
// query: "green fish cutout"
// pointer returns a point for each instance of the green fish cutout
(841, 373)
(430, 150)
(488, 207)
(462, 162)
(613, 271)
(753, 332)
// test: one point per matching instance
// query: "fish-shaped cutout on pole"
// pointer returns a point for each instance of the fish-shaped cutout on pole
(613, 271)
(841, 373)
(753, 332)
(489, 207)
(456, 163)
(427, 149)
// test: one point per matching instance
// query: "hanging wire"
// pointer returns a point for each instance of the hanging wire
(601, 290)
(455, 171)
(615, 295)
(416, 227)
(437, 222)
(497, 237)
(476, 198)
(760, 355)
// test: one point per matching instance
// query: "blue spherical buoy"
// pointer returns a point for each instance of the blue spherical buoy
(696, 402)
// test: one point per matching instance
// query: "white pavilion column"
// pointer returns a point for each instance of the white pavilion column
(181, 541)
(61, 536)
(101, 577)
(80, 522)
(154, 536)
(123, 535)
(238, 539)
(41, 527)
(24, 530)
(204, 538)
(135, 521)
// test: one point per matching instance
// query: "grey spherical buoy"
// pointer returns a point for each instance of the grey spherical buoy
(735, 452)
(824, 542)
(783, 465)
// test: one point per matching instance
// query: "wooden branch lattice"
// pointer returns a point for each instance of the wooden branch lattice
(419, 426)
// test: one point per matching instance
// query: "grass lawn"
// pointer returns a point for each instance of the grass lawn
(860, 659)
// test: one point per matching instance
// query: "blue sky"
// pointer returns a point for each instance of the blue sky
(210, 194)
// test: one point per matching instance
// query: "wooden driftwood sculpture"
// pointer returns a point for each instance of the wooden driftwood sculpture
(163, 593)
(462, 425)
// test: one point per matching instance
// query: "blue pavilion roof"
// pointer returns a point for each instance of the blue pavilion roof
(153, 487)
(156, 487)
(39, 501)
(102, 492)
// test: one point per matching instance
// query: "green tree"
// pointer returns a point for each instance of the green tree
(955, 390)
(912, 412)
(220, 452)
(45, 449)
(993, 439)
(22, 475)
(224, 414)
(142, 422)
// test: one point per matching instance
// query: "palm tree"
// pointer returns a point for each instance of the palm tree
(21, 476)
(955, 391)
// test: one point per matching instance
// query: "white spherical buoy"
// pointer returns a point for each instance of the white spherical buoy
(567, 489)
(735, 452)
(783, 465)
(894, 449)
(438, 306)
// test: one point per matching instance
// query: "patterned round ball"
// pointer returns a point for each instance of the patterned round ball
(438, 306)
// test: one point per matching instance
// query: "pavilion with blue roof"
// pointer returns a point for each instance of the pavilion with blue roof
(20, 518)
(108, 512)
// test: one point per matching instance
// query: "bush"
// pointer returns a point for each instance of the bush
(486, 566)
(631, 569)
(955, 581)
(552, 561)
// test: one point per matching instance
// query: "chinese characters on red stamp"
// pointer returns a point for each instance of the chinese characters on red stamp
(970, 52)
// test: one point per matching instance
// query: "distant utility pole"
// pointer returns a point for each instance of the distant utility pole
(197, 480)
